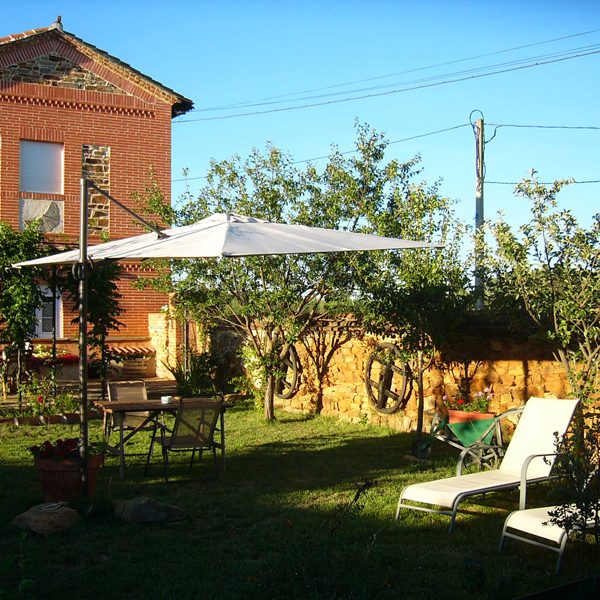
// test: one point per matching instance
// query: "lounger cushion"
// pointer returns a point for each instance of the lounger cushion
(443, 492)
(531, 521)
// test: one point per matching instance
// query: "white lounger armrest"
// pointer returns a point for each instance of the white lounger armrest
(524, 469)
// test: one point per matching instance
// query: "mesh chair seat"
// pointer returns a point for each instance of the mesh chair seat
(193, 431)
(129, 390)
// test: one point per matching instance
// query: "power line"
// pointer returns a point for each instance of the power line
(542, 182)
(436, 132)
(590, 127)
(520, 61)
(405, 72)
(305, 160)
(397, 91)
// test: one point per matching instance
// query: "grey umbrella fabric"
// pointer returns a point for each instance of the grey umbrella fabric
(231, 235)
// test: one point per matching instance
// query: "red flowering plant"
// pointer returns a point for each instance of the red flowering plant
(44, 356)
(67, 449)
(478, 402)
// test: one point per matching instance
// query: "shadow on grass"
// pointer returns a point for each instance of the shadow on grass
(280, 523)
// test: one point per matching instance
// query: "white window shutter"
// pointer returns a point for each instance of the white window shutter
(41, 167)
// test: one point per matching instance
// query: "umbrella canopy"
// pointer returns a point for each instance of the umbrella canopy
(231, 235)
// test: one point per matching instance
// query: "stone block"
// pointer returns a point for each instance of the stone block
(429, 403)
(519, 394)
(147, 510)
(46, 519)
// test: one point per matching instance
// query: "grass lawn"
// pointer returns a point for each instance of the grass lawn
(280, 523)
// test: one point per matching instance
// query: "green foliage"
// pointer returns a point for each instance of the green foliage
(420, 296)
(273, 301)
(199, 378)
(19, 293)
(103, 308)
(42, 397)
(152, 202)
(578, 487)
(550, 269)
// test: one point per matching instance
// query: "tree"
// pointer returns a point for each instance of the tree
(272, 301)
(103, 309)
(551, 267)
(269, 300)
(19, 293)
(420, 297)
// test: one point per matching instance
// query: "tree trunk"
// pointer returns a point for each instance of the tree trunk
(421, 394)
(20, 378)
(270, 398)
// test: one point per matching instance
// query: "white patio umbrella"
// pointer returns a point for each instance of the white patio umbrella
(220, 235)
(231, 235)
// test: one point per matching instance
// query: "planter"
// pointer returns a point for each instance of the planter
(72, 418)
(54, 419)
(61, 479)
(461, 416)
(64, 371)
(471, 427)
(35, 421)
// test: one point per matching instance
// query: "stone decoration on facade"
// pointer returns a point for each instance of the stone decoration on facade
(57, 71)
(95, 166)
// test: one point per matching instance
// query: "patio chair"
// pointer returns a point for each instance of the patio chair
(193, 431)
(529, 458)
(131, 391)
(533, 525)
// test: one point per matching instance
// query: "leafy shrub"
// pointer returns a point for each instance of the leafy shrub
(578, 487)
(200, 377)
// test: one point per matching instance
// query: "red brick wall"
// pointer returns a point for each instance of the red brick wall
(136, 304)
(138, 132)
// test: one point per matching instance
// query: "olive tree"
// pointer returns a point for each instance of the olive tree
(269, 300)
(420, 297)
(550, 266)
(273, 301)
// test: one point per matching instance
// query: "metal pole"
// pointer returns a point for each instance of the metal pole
(83, 377)
(54, 326)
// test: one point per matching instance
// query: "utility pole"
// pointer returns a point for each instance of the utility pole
(478, 130)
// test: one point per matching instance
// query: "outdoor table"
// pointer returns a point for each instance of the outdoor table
(155, 408)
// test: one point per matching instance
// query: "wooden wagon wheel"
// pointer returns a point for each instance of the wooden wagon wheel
(386, 378)
(287, 385)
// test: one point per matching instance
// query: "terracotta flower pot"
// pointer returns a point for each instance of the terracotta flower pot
(470, 427)
(461, 416)
(61, 479)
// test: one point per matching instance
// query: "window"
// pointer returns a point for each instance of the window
(44, 316)
(41, 167)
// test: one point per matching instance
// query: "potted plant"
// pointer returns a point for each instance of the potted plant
(59, 468)
(461, 408)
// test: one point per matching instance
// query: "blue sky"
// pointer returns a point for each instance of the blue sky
(223, 53)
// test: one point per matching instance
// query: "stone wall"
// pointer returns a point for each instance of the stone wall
(165, 335)
(512, 368)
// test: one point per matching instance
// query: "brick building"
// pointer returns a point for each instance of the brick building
(70, 110)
